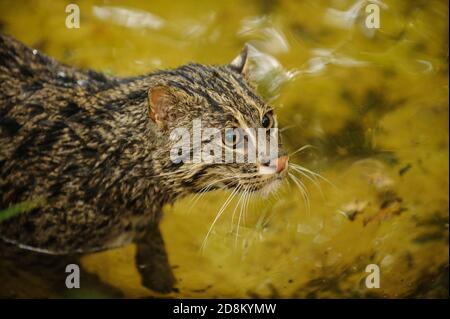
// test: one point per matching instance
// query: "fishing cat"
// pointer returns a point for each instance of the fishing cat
(93, 151)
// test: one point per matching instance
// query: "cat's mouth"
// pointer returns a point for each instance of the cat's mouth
(274, 167)
(270, 186)
(261, 179)
(273, 175)
(264, 181)
(264, 184)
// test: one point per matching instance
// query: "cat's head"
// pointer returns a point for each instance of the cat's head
(217, 132)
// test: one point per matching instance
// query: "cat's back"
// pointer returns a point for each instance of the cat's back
(43, 117)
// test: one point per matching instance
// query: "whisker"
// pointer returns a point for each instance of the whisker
(236, 207)
(304, 169)
(239, 219)
(219, 214)
(276, 194)
(249, 195)
(301, 149)
(204, 190)
(303, 191)
(312, 180)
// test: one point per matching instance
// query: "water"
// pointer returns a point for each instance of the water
(373, 105)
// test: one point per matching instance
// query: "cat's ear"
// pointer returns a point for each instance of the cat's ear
(241, 63)
(163, 101)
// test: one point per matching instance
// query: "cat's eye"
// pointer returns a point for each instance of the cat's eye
(267, 120)
(232, 137)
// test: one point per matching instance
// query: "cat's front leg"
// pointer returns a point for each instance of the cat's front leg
(152, 261)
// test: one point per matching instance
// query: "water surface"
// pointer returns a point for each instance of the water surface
(372, 104)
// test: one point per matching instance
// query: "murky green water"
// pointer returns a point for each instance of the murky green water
(372, 103)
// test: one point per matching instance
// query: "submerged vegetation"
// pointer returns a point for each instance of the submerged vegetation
(20, 208)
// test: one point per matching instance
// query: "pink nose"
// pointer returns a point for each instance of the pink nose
(281, 163)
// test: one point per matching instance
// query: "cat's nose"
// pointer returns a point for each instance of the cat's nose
(281, 163)
(274, 166)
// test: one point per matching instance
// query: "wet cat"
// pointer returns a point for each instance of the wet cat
(93, 151)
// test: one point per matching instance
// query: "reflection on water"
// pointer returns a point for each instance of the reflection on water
(128, 18)
(372, 104)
